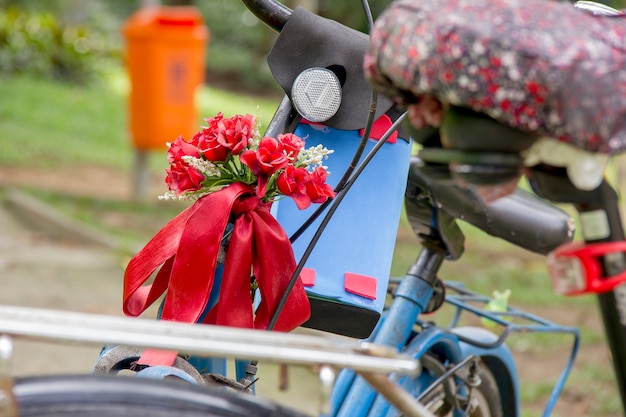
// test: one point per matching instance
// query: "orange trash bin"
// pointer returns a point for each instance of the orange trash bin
(166, 49)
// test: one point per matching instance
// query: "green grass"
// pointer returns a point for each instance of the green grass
(45, 125)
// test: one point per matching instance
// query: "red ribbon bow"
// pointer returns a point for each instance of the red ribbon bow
(186, 249)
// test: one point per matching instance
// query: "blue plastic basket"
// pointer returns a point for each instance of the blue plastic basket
(347, 274)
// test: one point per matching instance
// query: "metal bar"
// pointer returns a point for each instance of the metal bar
(399, 398)
(285, 119)
(465, 296)
(604, 204)
(601, 206)
(82, 328)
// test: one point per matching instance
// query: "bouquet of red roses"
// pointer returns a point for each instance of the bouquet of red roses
(234, 176)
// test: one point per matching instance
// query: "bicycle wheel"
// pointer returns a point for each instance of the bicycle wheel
(107, 396)
(485, 398)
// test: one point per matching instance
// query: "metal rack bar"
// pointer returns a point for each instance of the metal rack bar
(82, 328)
(533, 323)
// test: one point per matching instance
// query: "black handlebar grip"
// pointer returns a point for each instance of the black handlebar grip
(270, 12)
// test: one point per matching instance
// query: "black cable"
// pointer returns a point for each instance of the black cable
(368, 14)
(359, 152)
(370, 117)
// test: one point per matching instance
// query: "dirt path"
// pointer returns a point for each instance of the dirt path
(85, 180)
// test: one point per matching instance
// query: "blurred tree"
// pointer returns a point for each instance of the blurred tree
(240, 43)
(310, 5)
(350, 12)
(71, 41)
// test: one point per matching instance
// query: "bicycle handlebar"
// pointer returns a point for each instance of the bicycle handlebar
(270, 12)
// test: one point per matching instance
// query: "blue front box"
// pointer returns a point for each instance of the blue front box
(347, 274)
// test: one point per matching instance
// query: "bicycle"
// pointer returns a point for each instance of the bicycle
(441, 370)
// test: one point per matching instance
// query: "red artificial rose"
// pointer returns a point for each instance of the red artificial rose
(207, 140)
(292, 145)
(317, 189)
(181, 177)
(180, 148)
(268, 158)
(235, 133)
(292, 183)
(213, 121)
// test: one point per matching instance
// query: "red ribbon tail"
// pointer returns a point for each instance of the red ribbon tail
(159, 249)
(193, 271)
(274, 266)
(235, 305)
(138, 297)
(193, 266)
(186, 249)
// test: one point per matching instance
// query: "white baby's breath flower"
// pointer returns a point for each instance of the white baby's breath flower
(170, 195)
(203, 166)
(254, 141)
(186, 196)
(313, 156)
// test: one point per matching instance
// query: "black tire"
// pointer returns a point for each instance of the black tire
(108, 396)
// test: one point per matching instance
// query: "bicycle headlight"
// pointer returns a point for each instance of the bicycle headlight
(316, 94)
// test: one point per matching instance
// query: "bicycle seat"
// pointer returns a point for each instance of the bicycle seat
(520, 218)
(542, 67)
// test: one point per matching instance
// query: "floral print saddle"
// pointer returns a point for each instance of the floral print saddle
(541, 66)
